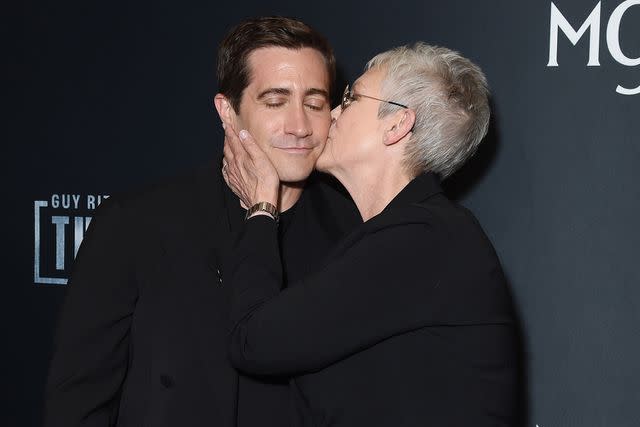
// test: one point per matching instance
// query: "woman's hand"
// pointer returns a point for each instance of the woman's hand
(247, 169)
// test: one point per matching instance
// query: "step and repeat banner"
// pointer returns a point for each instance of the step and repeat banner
(109, 97)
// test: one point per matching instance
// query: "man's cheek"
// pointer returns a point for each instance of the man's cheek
(260, 138)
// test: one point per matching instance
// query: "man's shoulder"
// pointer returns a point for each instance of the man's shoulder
(330, 204)
(191, 199)
(325, 192)
(172, 195)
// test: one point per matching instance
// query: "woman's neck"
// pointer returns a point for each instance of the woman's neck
(373, 189)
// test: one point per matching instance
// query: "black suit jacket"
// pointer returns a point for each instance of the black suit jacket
(409, 323)
(142, 336)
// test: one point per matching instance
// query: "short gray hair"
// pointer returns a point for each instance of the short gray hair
(449, 95)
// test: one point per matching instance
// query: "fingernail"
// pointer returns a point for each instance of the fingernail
(243, 134)
(224, 126)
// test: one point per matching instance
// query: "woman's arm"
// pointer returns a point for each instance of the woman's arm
(373, 291)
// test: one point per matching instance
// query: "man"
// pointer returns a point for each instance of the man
(142, 336)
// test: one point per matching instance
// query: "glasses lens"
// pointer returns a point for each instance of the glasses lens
(345, 98)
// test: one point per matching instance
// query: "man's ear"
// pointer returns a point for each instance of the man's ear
(225, 111)
(400, 125)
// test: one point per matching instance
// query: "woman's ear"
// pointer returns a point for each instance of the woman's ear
(225, 111)
(400, 125)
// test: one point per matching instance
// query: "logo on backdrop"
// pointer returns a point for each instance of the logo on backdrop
(592, 26)
(60, 223)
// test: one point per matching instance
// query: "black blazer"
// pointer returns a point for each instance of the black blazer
(409, 323)
(142, 336)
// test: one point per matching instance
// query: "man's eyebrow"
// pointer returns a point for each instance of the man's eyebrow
(315, 91)
(287, 92)
(274, 91)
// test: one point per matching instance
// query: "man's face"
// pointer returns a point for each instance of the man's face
(356, 133)
(286, 108)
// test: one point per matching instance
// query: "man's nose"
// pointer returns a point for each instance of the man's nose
(298, 122)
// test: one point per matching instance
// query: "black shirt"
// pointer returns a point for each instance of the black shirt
(303, 242)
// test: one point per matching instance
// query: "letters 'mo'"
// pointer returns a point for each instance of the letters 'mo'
(592, 23)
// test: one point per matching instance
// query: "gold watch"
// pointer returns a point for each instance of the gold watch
(265, 207)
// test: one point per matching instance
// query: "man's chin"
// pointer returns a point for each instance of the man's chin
(293, 178)
(294, 168)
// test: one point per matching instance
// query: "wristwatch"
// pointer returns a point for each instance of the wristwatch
(265, 207)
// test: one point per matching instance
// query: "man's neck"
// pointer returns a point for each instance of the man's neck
(290, 193)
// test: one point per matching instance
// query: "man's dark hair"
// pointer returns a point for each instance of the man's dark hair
(256, 33)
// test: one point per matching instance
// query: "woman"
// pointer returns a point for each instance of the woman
(409, 321)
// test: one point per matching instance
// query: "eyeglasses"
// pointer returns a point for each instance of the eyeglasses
(349, 96)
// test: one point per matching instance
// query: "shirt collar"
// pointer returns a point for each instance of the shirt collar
(420, 188)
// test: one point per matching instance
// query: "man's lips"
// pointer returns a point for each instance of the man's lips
(294, 149)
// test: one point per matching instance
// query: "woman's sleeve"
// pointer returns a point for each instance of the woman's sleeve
(375, 290)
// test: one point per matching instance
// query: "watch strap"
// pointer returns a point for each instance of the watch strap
(264, 207)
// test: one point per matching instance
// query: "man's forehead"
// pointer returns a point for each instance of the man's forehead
(280, 67)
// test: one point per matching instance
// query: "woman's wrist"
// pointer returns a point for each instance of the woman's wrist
(269, 195)
(263, 208)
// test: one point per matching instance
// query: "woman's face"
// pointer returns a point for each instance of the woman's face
(356, 132)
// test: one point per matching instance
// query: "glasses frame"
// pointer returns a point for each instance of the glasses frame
(348, 96)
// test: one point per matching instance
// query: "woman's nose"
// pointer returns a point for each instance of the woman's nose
(335, 113)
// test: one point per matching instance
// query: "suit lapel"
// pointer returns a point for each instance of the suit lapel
(221, 216)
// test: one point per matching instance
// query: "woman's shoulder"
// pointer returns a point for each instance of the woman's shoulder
(414, 216)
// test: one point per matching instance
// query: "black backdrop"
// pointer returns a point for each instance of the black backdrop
(104, 97)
